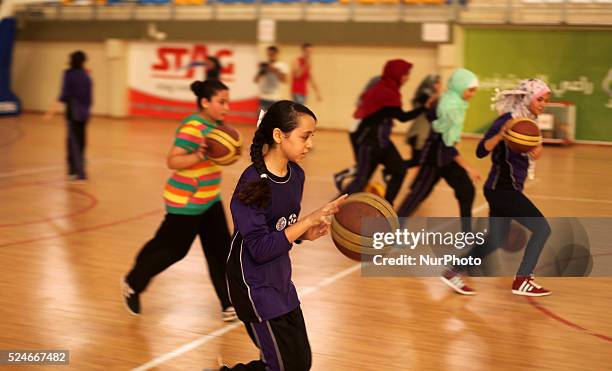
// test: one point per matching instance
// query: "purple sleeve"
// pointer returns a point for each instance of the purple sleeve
(452, 151)
(65, 93)
(481, 151)
(263, 245)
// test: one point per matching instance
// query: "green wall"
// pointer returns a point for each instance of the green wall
(577, 64)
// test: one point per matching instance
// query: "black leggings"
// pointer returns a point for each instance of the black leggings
(172, 242)
(283, 343)
(456, 177)
(368, 159)
(504, 206)
(75, 148)
(415, 160)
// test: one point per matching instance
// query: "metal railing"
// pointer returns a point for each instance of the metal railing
(571, 12)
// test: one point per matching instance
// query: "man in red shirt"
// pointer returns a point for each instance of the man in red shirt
(301, 75)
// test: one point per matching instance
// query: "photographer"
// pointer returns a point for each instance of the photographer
(269, 77)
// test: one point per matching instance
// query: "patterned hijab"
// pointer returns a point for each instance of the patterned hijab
(452, 106)
(517, 100)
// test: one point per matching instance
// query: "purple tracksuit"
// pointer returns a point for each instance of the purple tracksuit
(509, 169)
(259, 273)
(504, 193)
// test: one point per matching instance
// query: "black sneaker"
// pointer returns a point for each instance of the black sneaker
(222, 366)
(130, 298)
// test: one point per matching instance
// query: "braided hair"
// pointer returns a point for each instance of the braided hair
(284, 115)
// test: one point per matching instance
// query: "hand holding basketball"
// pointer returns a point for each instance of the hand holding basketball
(324, 214)
(316, 231)
(320, 220)
(507, 125)
(523, 135)
(536, 152)
(225, 144)
(200, 152)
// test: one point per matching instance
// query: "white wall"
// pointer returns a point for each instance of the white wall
(37, 72)
(340, 71)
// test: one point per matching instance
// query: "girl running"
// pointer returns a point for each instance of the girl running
(440, 158)
(193, 204)
(419, 130)
(379, 105)
(265, 209)
(504, 188)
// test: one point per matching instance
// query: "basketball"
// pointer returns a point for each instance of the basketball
(523, 135)
(516, 240)
(346, 227)
(224, 145)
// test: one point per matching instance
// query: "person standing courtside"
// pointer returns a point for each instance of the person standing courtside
(76, 95)
(301, 76)
(270, 75)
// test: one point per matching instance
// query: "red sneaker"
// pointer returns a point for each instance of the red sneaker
(455, 282)
(526, 286)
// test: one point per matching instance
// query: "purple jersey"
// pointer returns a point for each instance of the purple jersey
(509, 168)
(258, 266)
(435, 151)
(76, 93)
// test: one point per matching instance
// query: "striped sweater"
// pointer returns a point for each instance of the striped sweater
(191, 191)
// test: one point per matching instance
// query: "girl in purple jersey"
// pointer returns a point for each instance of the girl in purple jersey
(504, 188)
(265, 209)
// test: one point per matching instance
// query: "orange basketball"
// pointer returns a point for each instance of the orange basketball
(224, 144)
(516, 240)
(523, 135)
(346, 227)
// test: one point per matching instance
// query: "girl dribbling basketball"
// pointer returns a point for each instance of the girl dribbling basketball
(265, 209)
(504, 188)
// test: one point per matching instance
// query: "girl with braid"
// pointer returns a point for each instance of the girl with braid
(265, 210)
(193, 204)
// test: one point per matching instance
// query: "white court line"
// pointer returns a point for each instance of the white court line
(234, 171)
(303, 293)
(223, 330)
(187, 347)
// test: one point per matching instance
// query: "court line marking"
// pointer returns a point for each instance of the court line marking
(550, 314)
(232, 171)
(309, 290)
(223, 330)
(93, 202)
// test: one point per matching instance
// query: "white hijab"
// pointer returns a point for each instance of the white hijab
(517, 100)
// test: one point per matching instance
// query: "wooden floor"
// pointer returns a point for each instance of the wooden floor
(65, 247)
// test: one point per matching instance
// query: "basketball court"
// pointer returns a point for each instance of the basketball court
(65, 248)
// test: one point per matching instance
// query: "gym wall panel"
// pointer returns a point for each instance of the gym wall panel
(576, 63)
(38, 68)
(342, 71)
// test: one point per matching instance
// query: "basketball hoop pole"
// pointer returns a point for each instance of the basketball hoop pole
(9, 102)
